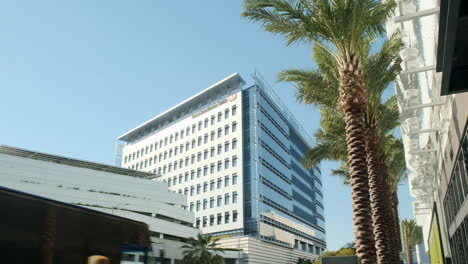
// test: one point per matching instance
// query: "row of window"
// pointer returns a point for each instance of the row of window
(233, 162)
(219, 219)
(203, 204)
(227, 146)
(457, 190)
(183, 133)
(219, 183)
(189, 145)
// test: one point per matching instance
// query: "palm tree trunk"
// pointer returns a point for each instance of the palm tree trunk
(410, 254)
(380, 199)
(353, 103)
(396, 217)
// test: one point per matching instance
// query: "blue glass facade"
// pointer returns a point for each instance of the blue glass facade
(274, 178)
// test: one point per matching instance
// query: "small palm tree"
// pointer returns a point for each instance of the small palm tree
(202, 250)
(412, 236)
(339, 26)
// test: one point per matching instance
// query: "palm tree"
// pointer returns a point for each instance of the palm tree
(200, 250)
(338, 26)
(380, 69)
(412, 236)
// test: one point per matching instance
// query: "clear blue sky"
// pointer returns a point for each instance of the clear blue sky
(74, 75)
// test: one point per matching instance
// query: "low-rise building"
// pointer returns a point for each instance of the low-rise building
(110, 189)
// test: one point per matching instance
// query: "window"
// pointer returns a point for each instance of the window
(211, 220)
(205, 221)
(186, 191)
(138, 154)
(200, 124)
(170, 153)
(150, 161)
(220, 132)
(220, 116)
(226, 146)
(180, 178)
(193, 158)
(191, 207)
(170, 167)
(212, 185)
(234, 161)
(226, 129)
(234, 110)
(220, 183)
(206, 122)
(220, 149)
(198, 206)
(171, 138)
(199, 141)
(169, 182)
(212, 137)
(175, 180)
(176, 151)
(155, 145)
(234, 126)
(193, 143)
(181, 148)
(226, 113)
(193, 128)
(192, 190)
(220, 165)
(205, 154)
(212, 151)
(187, 131)
(181, 163)
(197, 222)
(234, 143)
(219, 219)
(234, 197)
(234, 216)
(187, 146)
(226, 180)
(176, 136)
(226, 199)
(226, 218)
(199, 156)
(198, 172)
(192, 174)
(219, 201)
(175, 164)
(198, 188)
(205, 138)
(205, 187)
(165, 141)
(212, 202)
(182, 134)
(205, 204)
(187, 161)
(205, 170)
(234, 178)
(212, 119)
(212, 168)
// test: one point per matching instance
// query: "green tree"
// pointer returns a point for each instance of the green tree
(338, 26)
(202, 250)
(303, 261)
(413, 235)
(381, 119)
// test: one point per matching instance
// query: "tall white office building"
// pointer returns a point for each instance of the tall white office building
(235, 153)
